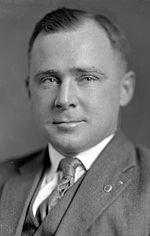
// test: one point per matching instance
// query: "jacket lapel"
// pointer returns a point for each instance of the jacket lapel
(17, 194)
(103, 183)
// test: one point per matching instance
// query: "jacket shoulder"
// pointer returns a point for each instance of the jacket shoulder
(143, 165)
(11, 167)
(143, 155)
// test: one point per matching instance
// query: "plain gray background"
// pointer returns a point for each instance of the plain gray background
(18, 131)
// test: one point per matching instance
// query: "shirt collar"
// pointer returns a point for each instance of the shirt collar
(87, 157)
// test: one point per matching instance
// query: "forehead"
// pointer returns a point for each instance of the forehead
(87, 42)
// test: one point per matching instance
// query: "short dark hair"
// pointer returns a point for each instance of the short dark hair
(65, 19)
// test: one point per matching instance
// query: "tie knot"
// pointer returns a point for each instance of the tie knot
(68, 166)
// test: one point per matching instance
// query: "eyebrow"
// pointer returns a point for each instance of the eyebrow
(46, 72)
(87, 69)
(74, 70)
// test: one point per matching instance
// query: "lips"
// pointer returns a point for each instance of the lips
(67, 124)
(66, 121)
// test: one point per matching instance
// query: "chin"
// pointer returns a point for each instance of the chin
(67, 149)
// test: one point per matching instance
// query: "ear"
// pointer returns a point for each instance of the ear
(27, 86)
(127, 88)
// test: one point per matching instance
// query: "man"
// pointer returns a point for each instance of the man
(78, 80)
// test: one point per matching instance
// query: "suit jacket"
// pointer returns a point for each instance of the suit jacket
(112, 199)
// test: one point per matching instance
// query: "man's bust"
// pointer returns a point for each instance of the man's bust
(79, 78)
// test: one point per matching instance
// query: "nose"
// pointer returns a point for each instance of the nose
(66, 95)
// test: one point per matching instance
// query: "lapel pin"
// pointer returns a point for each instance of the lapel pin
(108, 188)
(120, 182)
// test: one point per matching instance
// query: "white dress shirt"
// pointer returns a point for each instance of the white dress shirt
(50, 178)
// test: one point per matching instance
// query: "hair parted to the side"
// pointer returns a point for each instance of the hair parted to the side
(65, 19)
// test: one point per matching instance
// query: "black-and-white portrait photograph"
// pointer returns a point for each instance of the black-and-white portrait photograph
(74, 118)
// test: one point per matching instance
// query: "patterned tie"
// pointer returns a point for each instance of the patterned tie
(67, 167)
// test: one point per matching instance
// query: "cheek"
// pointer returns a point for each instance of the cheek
(103, 102)
(40, 105)
(44, 98)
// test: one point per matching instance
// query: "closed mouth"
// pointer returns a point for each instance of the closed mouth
(68, 124)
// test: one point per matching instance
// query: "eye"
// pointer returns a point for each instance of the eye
(50, 80)
(88, 78)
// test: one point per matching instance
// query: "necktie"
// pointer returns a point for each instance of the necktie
(67, 167)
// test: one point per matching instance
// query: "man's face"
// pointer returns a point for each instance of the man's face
(76, 86)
